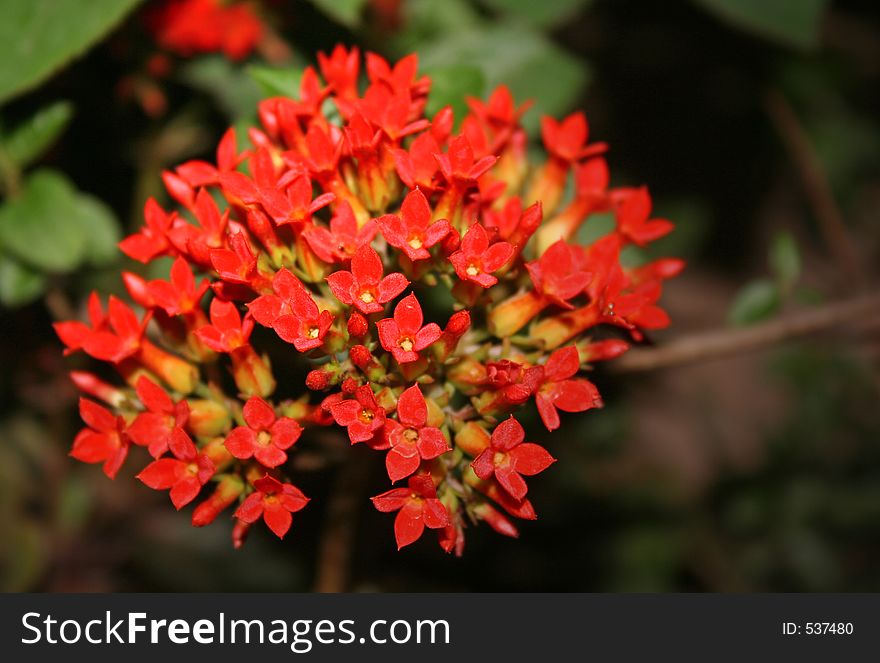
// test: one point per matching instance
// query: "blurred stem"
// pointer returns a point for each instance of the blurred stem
(334, 552)
(816, 187)
(10, 176)
(712, 345)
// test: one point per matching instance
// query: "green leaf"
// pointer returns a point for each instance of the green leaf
(450, 85)
(19, 285)
(274, 82)
(231, 87)
(38, 37)
(32, 137)
(36, 227)
(785, 260)
(757, 301)
(526, 61)
(789, 22)
(346, 12)
(542, 13)
(52, 227)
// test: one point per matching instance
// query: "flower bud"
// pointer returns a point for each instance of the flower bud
(207, 418)
(252, 373)
(515, 313)
(239, 533)
(177, 373)
(496, 520)
(357, 325)
(473, 439)
(228, 490)
(91, 384)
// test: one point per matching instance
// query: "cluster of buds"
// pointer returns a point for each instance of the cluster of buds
(352, 210)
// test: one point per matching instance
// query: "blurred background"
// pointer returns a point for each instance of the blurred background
(756, 124)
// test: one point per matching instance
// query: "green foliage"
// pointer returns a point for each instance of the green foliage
(231, 87)
(450, 85)
(19, 284)
(41, 36)
(277, 82)
(52, 227)
(789, 22)
(346, 12)
(30, 139)
(785, 261)
(546, 13)
(757, 301)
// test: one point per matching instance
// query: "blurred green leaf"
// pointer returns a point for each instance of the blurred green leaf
(450, 85)
(543, 13)
(346, 12)
(231, 87)
(36, 228)
(19, 284)
(428, 20)
(23, 556)
(526, 61)
(32, 137)
(38, 37)
(274, 82)
(55, 228)
(790, 22)
(757, 301)
(785, 260)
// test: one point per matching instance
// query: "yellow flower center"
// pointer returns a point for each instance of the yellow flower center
(415, 243)
(406, 344)
(367, 297)
(313, 332)
(264, 438)
(472, 270)
(499, 458)
(367, 416)
(410, 435)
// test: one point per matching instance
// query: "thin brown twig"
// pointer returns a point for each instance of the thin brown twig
(816, 187)
(711, 345)
(334, 551)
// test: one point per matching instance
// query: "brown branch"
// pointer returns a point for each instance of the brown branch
(816, 187)
(712, 345)
(334, 551)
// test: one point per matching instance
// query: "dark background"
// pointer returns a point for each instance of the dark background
(755, 472)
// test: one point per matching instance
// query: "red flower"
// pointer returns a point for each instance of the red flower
(411, 439)
(403, 335)
(557, 274)
(558, 391)
(364, 286)
(417, 506)
(74, 333)
(340, 69)
(152, 240)
(507, 458)
(362, 415)
(292, 313)
(513, 380)
(418, 166)
(266, 437)
(297, 206)
(237, 264)
(202, 173)
(413, 231)
(104, 441)
(476, 260)
(566, 140)
(458, 164)
(227, 330)
(184, 475)
(153, 429)
(121, 340)
(180, 295)
(632, 208)
(274, 502)
(343, 238)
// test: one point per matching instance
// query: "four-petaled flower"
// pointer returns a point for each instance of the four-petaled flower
(417, 506)
(343, 239)
(364, 286)
(413, 231)
(274, 502)
(403, 335)
(361, 415)
(411, 439)
(185, 474)
(103, 441)
(180, 295)
(559, 391)
(507, 458)
(153, 428)
(227, 331)
(557, 274)
(292, 312)
(476, 260)
(266, 436)
(566, 140)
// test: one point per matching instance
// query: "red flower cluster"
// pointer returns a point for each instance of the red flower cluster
(334, 233)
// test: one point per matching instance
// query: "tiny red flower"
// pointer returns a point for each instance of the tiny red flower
(411, 439)
(74, 333)
(343, 239)
(185, 474)
(417, 506)
(297, 206)
(566, 140)
(340, 69)
(292, 313)
(556, 274)
(362, 415)
(237, 264)
(274, 502)
(559, 391)
(458, 164)
(507, 458)
(266, 437)
(413, 231)
(152, 239)
(364, 286)
(476, 260)
(418, 166)
(122, 339)
(103, 441)
(227, 330)
(202, 173)
(403, 335)
(153, 428)
(180, 295)
(632, 209)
